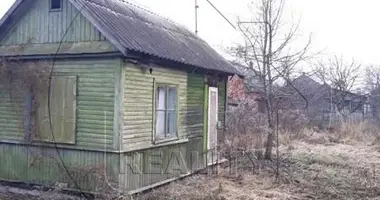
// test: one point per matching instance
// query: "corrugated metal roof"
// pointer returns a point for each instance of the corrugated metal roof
(132, 28)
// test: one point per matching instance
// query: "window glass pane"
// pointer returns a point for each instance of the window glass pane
(166, 111)
(172, 123)
(172, 98)
(160, 124)
(160, 98)
(55, 4)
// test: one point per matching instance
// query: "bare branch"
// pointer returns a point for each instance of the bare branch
(269, 54)
(342, 77)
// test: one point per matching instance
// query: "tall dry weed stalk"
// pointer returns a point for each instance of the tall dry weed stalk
(246, 128)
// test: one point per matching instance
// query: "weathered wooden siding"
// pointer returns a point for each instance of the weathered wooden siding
(95, 100)
(96, 93)
(195, 105)
(158, 164)
(37, 24)
(143, 168)
(41, 165)
(138, 102)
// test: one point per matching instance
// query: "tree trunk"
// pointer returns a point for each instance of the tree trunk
(269, 145)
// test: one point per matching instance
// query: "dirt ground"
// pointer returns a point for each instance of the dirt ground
(318, 167)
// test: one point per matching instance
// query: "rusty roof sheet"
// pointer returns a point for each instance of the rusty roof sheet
(134, 29)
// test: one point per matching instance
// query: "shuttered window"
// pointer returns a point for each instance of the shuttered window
(62, 111)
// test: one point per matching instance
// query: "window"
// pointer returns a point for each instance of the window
(55, 4)
(62, 112)
(367, 108)
(261, 105)
(166, 112)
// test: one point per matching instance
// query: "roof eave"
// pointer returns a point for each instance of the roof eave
(147, 58)
(11, 10)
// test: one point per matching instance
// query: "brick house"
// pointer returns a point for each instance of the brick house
(245, 91)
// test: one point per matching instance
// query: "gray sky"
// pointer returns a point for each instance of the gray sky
(344, 27)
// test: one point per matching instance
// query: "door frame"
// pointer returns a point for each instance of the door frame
(210, 90)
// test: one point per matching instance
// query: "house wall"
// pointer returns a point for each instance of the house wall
(95, 151)
(40, 31)
(236, 90)
(96, 131)
(151, 166)
(97, 87)
(96, 96)
(244, 94)
(138, 103)
(144, 163)
(36, 24)
(193, 113)
(42, 165)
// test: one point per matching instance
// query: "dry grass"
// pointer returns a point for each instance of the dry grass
(343, 164)
(334, 171)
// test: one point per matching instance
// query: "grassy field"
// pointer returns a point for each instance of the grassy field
(314, 166)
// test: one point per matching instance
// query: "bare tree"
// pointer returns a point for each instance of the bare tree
(268, 50)
(341, 77)
(372, 86)
(372, 78)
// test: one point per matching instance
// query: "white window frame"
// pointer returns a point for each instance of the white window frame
(168, 136)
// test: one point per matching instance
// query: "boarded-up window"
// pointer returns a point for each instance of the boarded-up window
(166, 112)
(60, 127)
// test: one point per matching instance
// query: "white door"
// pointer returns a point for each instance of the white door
(212, 136)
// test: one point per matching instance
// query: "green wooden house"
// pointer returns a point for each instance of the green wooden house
(133, 100)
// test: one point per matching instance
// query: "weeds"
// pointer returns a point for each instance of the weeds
(314, 164)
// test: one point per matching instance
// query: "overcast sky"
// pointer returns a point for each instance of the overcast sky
(344, 27)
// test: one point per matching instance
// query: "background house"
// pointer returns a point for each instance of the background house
(324, 105)
(247, 91)
(108, 92)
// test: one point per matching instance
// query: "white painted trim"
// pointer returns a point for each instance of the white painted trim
(210, 90)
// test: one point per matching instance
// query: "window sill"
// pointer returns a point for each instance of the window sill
(157, 144)
(165, 140)
(55, 10)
